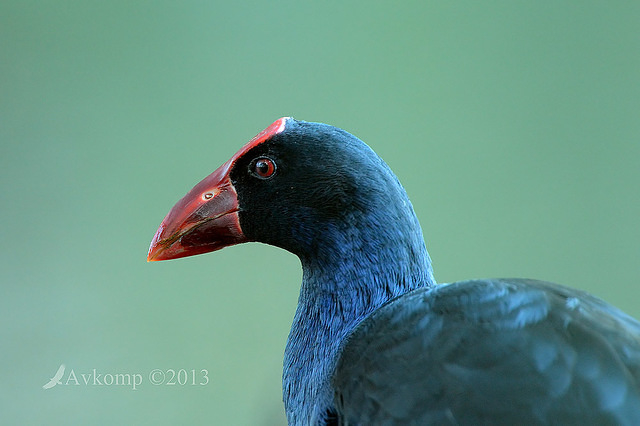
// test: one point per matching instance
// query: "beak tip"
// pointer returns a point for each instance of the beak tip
(154, 251)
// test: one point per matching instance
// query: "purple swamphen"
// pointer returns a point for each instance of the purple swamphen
(374, 340)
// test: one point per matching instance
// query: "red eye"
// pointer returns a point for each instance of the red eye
(263, 167)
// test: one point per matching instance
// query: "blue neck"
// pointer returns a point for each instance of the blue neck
(352, 272)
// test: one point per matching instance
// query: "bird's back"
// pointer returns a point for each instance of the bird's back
(491, 352)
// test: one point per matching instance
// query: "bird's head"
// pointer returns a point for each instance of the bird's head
(300, 186)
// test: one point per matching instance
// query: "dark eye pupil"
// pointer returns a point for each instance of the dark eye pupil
(262, 167)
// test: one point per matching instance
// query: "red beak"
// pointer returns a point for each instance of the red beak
(206, 219)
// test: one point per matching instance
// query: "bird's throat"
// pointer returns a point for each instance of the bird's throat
(340, 288)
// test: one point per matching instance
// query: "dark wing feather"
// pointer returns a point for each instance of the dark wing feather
(491, 352)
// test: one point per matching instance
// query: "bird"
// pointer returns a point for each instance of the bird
(374, 339)
(55, 380)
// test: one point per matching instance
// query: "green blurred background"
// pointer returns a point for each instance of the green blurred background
(514, 126)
